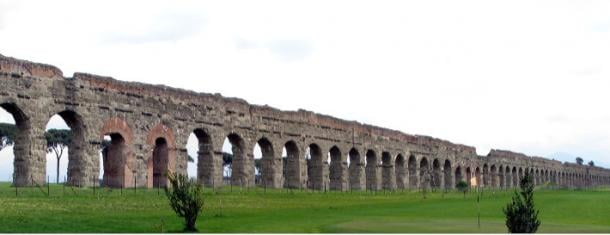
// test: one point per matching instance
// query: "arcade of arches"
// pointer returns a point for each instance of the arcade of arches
(148, 127)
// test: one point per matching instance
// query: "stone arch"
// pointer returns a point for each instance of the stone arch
(336, 175)
(118, 157)
(356, 170)
(24, 168)
(291, 167)
(493, 171)
(436, 176)
(315, 170)
(400, 171)
(162, 155)
(520, 174)
(413, 175)
(387, 174)
(449, 184)
(371, 170)
(486, 177)
(209, 173)
(424, 173)
(508, 177)
(266, 163)
(459, 174)
(478, 177)
(501, 177)
(242, 172)
(469, 177)
(78, 170)
(515, 177)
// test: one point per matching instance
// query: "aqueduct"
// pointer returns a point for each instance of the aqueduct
(149, 126)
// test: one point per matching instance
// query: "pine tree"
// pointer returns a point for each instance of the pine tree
(521, 215)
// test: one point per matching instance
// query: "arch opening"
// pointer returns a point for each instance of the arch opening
(437, 175)
(116, 161)
(160, 163)
(200, 163)
(424, 174)
(264, 159)
(239, 170)
(400, 171)
(413, 177)
(290, 160)
(371, 170)
(356, 170)
(387, 171)
(336, 169)
(447, 174)
(16, 128)
(315, 170)
(459, 175)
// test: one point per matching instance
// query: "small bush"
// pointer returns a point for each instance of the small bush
(521, 215)
(462, 186)
(186, 199)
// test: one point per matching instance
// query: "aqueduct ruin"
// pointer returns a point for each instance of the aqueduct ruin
(149, 126)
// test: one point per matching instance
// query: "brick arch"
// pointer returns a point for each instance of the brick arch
(161, 131)
(117, 125)
(118, 168)
(165, 161)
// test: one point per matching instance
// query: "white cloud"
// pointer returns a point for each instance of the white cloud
(520, 75)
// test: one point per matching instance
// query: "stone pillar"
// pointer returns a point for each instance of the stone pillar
(401, 176)
(357, 174)
(30, 156)
(414, 179)
(450, 179)
(441, 176)
(388, 176)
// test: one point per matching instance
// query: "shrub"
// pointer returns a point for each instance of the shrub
(186, 199)
(462, 186)
(521, 215)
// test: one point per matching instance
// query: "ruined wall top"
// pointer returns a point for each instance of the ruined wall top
(17, 67)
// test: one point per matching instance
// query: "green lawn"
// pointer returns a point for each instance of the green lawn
(254, 210)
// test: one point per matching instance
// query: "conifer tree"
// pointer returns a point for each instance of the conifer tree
(521, 215)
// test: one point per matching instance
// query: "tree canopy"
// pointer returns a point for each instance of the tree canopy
(7, 134)
(579, 161)
(57, 139)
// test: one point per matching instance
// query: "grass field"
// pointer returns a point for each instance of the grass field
(259, 210)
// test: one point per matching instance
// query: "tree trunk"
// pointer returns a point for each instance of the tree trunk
(190, 224)
(57, 179)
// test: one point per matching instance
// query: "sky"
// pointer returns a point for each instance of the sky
(527, 76)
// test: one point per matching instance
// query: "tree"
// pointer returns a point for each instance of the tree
(591, 163)
(186, 199)
(258, 164)
(57, 140)
(462, 186)
(190, 158)
(227, 159)
(521, 215)
(579, 161)
(7, 134)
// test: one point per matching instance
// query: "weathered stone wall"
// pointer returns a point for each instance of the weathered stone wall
(137, 115)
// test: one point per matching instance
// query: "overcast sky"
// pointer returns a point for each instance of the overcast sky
(528, 76)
